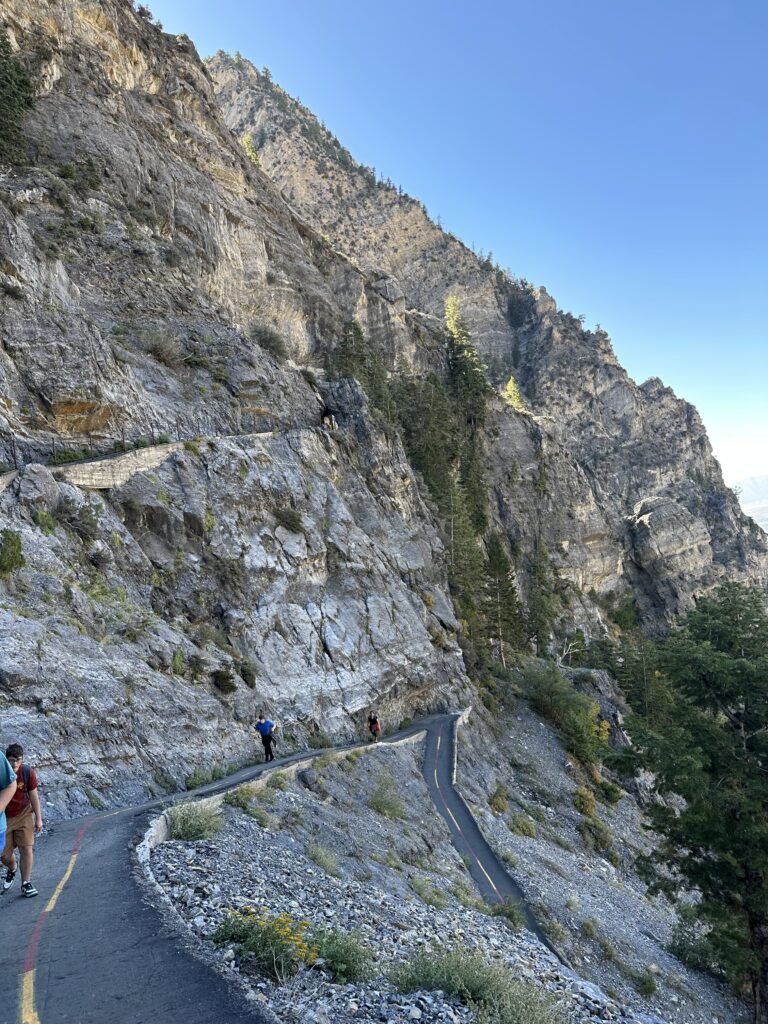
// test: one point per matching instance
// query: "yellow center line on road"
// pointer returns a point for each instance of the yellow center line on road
(461, 833)
(27, 1009)
(60, 887)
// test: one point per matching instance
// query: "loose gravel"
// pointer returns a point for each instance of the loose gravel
(378, 860)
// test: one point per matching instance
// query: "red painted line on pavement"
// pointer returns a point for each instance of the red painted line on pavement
(34, 942)
(31, 957)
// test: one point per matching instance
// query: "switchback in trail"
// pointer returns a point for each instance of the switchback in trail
(91, 950)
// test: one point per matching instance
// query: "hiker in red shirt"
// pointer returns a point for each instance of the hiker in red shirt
(24, 820)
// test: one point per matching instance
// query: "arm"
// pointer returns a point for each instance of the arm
(34, 797)
(7, 794)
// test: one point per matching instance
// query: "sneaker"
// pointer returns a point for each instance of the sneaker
(27, 889)
(10, 878)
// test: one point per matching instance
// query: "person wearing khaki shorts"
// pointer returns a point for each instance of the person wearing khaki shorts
(24, 820)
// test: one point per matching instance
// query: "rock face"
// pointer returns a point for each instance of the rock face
(605, 443)
(279, 570)
(158, 287)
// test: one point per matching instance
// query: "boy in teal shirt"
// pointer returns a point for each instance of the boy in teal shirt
(7, 792)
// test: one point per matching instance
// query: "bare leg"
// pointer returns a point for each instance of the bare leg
(9, 860)
(26, 857)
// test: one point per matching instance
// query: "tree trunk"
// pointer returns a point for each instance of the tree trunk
(760, 980)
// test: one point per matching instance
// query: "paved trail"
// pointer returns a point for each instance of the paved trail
(90, 950)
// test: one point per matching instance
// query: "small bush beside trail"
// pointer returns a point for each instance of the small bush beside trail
(276, 944)
(494, 995)
(343, 954)
(384, 799)
(324, 859)
(191, 821)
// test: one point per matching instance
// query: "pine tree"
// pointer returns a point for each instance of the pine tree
(506, 627)
(512, 396)
(350, 356)
(466, 373)
(16, 99)
(246, 141)
(713, 752)
(541, 600)
(472, 477)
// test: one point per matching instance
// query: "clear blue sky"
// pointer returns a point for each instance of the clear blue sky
(615, 152)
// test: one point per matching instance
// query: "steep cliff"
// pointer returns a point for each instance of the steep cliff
(632, 495)
(142, 259)
(159, 291)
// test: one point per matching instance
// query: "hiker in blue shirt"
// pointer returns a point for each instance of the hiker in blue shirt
(7, 792)
(266, 730)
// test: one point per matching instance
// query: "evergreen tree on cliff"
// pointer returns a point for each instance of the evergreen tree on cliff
(713, 752)
(506, 626)
(466, 373)
(16, 99)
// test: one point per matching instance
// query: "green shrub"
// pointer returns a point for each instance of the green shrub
(224, 680)
(191, 821)
(608, 791)
(325, 859)
(262, 816)
(384, 800)
(319, 741)
(596, 834)
(498, 801)
(246, 141)
(511, 912)
(607, 948)
(16, 99)
(522, 825)
(343, 954)
(165, 781)
(277, 780)
(575, 717)
(44, 521)
(199, 777)
(554, 931)
(165, 348)
(488, 989)
(247, 669)
(177, 662)
(589, 929)
(240, 798)
(271, 340)
(276, 944)
(645, 983)
(11, 555)
(83, 520)
(584, 801)
(289, 519)
(427, 892)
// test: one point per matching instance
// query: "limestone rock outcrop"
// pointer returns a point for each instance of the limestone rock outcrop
(595, 443)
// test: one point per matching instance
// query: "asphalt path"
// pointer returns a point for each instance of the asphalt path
(91, 949)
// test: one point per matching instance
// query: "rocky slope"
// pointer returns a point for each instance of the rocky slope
(398, 883)
(633, 495)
